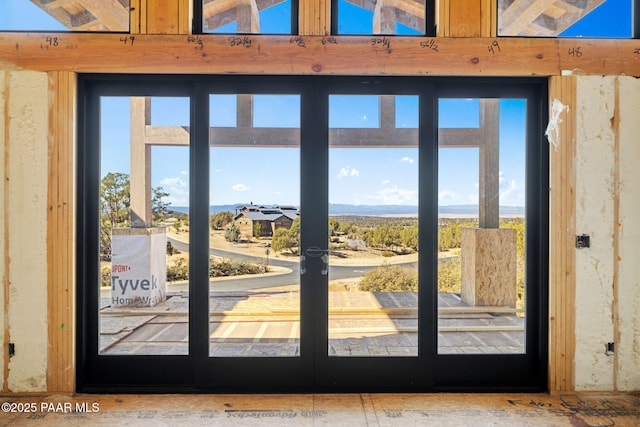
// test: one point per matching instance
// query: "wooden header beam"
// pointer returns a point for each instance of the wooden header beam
(316, 55)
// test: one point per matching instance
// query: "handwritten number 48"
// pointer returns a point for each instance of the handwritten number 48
(575, 51)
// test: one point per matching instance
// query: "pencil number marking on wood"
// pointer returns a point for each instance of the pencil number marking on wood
(298, 41)
(430, 44)
(197, 41)
(575, 51)
(128, 40)
(50, 42)
(382, 41)
(494, 47)
(240, 41)
(329, 40)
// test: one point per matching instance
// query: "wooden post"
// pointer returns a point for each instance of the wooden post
(562, 229)
(489, 197)
(387, 111)
(314, 17)
(60, 234)
(140, 174)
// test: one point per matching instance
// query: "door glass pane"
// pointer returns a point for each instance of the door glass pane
(238, 17)
(254, 231)
(373, 225)
(144, 226)
(566, 18)
(81, 16)
(481, 196)
(365, 17)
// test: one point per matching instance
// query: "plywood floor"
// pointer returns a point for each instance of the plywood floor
(351, 410)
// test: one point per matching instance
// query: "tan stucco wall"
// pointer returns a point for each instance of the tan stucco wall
(23, 230)
(599, 171)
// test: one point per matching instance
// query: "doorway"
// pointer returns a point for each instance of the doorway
(311, 234)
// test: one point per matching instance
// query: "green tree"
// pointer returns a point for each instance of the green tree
(334, 226)
(114, 208)
(159, 207)
(115, 202)
(283, 240)
(257, 229)
(231, 233)
(409, 237)
(220, 220)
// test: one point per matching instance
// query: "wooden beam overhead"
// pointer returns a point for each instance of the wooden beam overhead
(88, 15)
(541, 17)
(312, 55)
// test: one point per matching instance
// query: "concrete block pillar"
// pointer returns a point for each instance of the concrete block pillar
(138, 267)
(489, 266)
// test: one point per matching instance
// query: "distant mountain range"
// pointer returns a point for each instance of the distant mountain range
(379, 210)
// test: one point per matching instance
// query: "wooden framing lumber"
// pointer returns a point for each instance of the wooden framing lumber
(314, 55)
(562, 259)
(60, 234)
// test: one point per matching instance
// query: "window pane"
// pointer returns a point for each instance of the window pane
(373, 225)
(259, 17)
(481, 193)
(254, 232)
(144, 226)
(357, 17)
(46, 15)
(566, 18)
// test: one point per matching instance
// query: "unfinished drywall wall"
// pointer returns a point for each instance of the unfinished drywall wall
(595, 183)
(607, 202)
(24, 231)
(3, 277)
(628, 347)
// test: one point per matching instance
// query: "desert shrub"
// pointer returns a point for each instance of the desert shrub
(105, 276)
(231, 233)
(388, 254)
(231, 267)
(450, 275)
(178, 271)
(389, 278)
(171, 250)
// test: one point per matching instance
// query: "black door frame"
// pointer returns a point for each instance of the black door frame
(313, 370)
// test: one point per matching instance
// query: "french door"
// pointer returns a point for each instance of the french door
(311, 234)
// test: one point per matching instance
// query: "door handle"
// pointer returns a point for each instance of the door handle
(315, 252)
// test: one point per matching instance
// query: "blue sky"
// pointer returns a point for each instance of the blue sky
(356, 176)
(611, 19)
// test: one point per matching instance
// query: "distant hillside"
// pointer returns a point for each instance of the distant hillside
(373, 210)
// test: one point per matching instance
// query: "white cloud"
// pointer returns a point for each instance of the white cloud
(364, 118)
(396, 196)
(407, 159)
(184, 173)
(173, 182)
(447, 196)
(240, 187)
(178, 191)
(508, 190)
(385, 182)
(348, 172)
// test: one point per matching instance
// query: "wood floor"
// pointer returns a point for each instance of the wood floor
(573, 409)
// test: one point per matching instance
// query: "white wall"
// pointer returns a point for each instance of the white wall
(23, 229)
(599, 170)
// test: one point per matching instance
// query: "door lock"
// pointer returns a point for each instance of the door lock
(315, 252)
